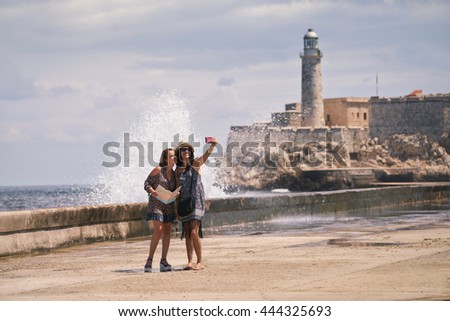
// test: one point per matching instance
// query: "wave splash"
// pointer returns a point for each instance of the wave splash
(161, 123)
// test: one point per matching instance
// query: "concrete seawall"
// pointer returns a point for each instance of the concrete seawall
(24, 232)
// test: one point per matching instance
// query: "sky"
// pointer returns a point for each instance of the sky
(75, 75)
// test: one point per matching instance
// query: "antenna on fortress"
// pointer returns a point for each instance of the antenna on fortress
(377, 83)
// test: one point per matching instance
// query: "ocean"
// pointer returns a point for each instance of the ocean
(17, 198)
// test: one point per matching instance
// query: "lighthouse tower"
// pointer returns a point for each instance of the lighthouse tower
(312, 103)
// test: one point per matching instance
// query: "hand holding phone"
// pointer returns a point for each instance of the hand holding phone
(210, 140)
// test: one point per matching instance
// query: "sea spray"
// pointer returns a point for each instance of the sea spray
(160, 123)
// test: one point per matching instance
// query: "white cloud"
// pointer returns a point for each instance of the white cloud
(14, 86)
(13, 132)
(226, 81)
(59, 90)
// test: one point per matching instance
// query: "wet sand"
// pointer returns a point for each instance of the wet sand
(401, 261)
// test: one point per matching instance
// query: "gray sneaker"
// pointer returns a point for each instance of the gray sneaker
(164, 266)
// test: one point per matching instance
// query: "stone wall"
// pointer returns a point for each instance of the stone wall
(429, 115)
(24, 232)
(300, 159)
(355, 138)
(253, 139)
(43, 229)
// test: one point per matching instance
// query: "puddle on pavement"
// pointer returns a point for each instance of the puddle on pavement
(343, 242)
(154, 270)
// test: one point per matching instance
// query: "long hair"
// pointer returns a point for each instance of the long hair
(178, 155)
(164, 157)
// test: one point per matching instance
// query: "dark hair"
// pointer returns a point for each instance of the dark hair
(178, 155)
(164, 157)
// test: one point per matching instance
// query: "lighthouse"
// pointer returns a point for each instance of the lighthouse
(312, 103)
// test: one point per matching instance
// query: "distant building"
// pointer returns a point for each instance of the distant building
(343, 112)
(347, 111)
(291, 117)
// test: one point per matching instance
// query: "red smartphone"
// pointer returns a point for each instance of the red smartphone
(209, 139)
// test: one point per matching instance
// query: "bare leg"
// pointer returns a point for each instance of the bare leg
(156, 236)
(166, 229)
(157, 230)
(197, 244)
(189, 245)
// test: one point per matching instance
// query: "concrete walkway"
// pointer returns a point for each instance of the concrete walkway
(397, 261)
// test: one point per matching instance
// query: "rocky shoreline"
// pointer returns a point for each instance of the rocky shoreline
(399, 158)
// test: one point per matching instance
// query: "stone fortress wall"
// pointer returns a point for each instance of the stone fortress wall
(428, 115)
(263, 138)
(406, 138)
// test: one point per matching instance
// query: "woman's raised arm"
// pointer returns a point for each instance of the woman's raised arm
(202, 159)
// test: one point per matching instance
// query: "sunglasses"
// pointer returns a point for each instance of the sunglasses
(184, 149)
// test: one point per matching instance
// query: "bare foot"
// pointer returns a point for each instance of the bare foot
(189, 266)
(199, 266)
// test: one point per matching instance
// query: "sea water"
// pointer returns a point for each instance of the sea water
(17, 198)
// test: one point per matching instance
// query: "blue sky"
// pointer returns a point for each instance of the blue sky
(77, 74)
